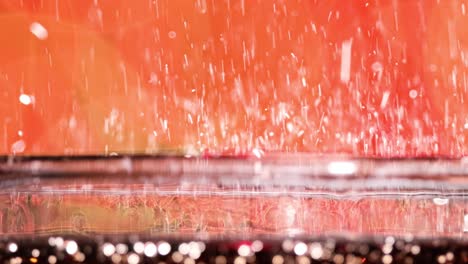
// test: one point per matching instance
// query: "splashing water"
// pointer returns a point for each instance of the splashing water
(245, 79)
(366, 78)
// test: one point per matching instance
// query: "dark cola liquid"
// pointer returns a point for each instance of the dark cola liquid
(133, 250)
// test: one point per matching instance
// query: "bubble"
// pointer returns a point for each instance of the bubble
(415, 249)
(257, 246)
(184, 248)
(108, 249)
(116, 258)
(240, 260)
(177, 257)
(316, 251)
(12, 247)
(164, 248)
(287, 246)
(139, 247)
(150, 250)
(35, 253)
(52, 259)
(220, 260)
(300, 248)
(121, 249)
(71, 247)
(441, 259)
(278, 259)
(387, 259)
(133, 259)
(244, 251)
(79, 257)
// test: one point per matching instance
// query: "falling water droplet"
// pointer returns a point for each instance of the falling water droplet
(345, 73)
(172, 34)
(440, 201)
(202, 7)
(18, 147)
(39, 31)
(465, 223)
(26, 99)
(413, 94)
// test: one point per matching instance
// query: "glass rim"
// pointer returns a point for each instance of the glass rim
(330, 173)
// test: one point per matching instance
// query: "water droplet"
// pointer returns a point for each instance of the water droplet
(413, 94)
(345, 73)
(384, 101)
(26, 99)
(18, 147)
(377, 68)
(465, 223)
(201, 5)
(172, 34)
(440, 201)
(257, 152)
(39, 31)
(342, 167)
(72, 122)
